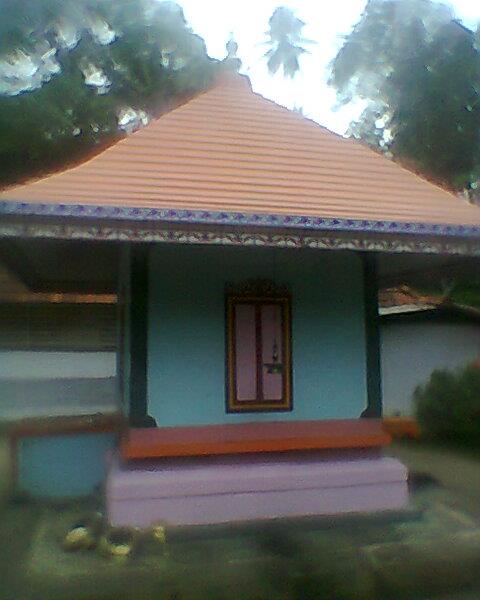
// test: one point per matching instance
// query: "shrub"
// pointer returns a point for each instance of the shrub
(448, 406)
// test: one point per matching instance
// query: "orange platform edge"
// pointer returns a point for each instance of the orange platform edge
(253, 438)
(402, 427)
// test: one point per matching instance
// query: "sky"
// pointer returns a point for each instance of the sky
(327, 22)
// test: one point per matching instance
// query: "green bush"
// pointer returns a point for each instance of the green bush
(448, 406)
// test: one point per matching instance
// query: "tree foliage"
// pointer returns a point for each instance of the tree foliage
(418, 69)
(448, 406)
(71, 70)
(286, 42)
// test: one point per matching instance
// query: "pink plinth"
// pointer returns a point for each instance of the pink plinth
(209, 490)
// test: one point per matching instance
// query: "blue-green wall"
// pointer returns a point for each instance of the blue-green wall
(63, 466)
(186, 345)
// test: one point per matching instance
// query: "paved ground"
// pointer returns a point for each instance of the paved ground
(433, 556)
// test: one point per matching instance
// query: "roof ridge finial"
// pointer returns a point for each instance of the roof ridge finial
(231, 46)
(231, 61)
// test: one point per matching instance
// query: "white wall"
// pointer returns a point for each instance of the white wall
(411, 351)
(45, 365)
(45, 384)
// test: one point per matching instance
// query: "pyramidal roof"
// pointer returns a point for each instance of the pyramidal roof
(229, 149)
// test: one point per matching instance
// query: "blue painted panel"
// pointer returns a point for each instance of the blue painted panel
(186, 359)
(63, 466)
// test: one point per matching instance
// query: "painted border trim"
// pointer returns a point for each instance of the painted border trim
(233, 218)
(137, 233)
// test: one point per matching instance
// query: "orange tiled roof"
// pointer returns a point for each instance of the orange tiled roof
(403, 295)
(403, 299)
(230, 149)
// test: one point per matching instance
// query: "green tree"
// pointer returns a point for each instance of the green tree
(448, 406)
(71, 71)
(286, 42)
(418, 69)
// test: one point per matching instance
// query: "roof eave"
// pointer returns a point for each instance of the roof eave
(204, 217)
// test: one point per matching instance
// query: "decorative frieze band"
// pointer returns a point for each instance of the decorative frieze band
(320, 240)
